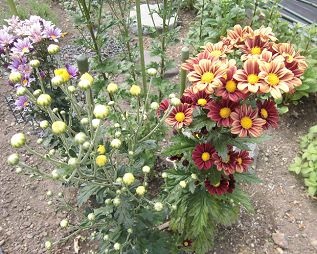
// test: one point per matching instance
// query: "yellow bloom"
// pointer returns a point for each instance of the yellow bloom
(101, 160)
(101, 149)
(59, 127)
(88, 77)
(62, 72)
(135, 90)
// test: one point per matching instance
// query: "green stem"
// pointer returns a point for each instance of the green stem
(201, 20)
(141, 47)
(254, 11)
(185, 56)
(13, 7)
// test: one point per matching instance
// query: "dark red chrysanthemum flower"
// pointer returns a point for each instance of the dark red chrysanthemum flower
(226, 164)
(182, 115)
(242, 161)
(202, 156)
(176, 157)
(220, 111)
(187, 243)
(219, 188)
(162, 108)
(232, 184)
(200, 98)
(186, 99)
(267, 111)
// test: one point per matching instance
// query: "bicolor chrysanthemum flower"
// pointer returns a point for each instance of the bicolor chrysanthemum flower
(200, 98)
(297, 71)
(189, 63)
(162, 108)
(180, 116)
(242, 161)
(206, 75)
(238, 35)
(219, 188)
(252, 46)
(248, 78)
(202, 156)
(5, 38)
(219, 111)
(22, 46)
(265, 33)
(267, 111)
(246, 122)
(275, 78)
(22, 102)
(290, 54)
(232, 184)
(228, 90)
(186, 99)
(218, 50)
(225, 164)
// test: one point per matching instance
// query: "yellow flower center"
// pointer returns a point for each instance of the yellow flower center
(225, 112)
(289, 58)
(180, 117)
(205, 156)
(25, 104)
(246, 122)
(53, 36)
(253, 79)
(202, 102)
(264, 113)
(256, 51)
(231, 86)
(25, 81)
(207, 77)
(273, 79)
(215, 53)
(217, 184)
(25, 50)
(239, 160)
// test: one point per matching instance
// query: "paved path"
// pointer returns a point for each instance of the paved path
(304, 11)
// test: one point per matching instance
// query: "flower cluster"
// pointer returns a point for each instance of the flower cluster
(233, 84)
(24, 47)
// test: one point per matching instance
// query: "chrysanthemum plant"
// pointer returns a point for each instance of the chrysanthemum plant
(228, 105)
(111, 160)
(28, 51)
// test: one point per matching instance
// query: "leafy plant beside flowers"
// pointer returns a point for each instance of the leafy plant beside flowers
(229, 104)
(305, 164)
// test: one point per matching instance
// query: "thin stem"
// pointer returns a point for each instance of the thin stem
(141, 47)
(254, 11)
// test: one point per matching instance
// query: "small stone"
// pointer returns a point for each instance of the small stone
(314, 242)
(1, 242)
(279, 250)
(280, 240)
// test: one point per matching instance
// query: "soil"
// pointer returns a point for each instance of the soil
(283, 210)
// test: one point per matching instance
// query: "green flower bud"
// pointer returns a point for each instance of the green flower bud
(51, 152)
(117, 134)
(39, 141)
(91, 217)
(53, 49)
(146, 169)
(106, 237)
(15, 77)
(86, 145)
(112, 88)
(115, 143)
(13, 159)
(101, 111)
(108, 201)
(117, 246)
(84, 121)
(64, 223)
(130, 231)
(71, 89)
(172, 95)
(21, 90)
(154, 105)
(18, 170)
(110, 103)
(59, 127)
(128, 178)
(18, 140)
(57, 80)
(152, 72)
(48, 245)
(135, 90)
(95, 123)
(49, 193)
(44, 100)
(116, 201)
(175, 101)
(35, 63)
(55, 110)
(44, 124)
(37, 93)
(80, 138)
(140, 190)
(183, 184)
(158, 206)
(73, 162)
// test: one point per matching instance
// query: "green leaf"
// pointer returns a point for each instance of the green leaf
(181, 144)
(86, 192)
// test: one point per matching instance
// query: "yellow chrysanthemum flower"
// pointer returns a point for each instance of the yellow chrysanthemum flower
(101, 149)
(62, 72)
(101, 160)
